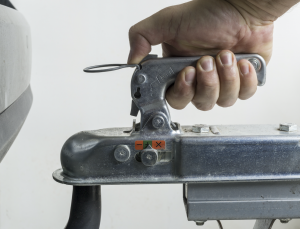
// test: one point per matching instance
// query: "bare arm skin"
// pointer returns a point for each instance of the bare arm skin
(203, 27)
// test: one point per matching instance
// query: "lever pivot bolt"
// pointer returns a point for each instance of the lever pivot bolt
(141, 79)
(256, 63)
(158, 121)
(149, 157)
(288, 127)
(200, 128)
(122, 153)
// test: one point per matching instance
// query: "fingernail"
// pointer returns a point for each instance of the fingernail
(226, 58)
(207, 63)
(244, 68)
(190, 76)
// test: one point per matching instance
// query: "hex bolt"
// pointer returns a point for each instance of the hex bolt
(200, 223)
(256, 63)
(149, 156)
(200, 128)
(288, 127)
(158, 121)
(122, 153)
(141, 79)
(285, 220)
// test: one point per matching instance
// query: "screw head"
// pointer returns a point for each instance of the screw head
(288, 127)
(200, 128)
(285, 220)
(149, 157)
(158, 121)
(200, 223)
(256, 63)
(141, 79)
(122, 153)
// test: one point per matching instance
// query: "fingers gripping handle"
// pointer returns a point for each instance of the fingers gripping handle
(150, 82)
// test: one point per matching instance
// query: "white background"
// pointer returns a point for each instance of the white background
(70, 35)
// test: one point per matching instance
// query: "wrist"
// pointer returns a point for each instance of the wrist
(262, 12)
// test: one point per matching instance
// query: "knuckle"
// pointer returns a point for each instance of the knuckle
(175, 104)
(168, 9)
(247, 92)
(132, 30)
(225, 103)
(229, 76)
(203, 106)
(182, 91)
(209, 82)
(177, 107)
(245, 96)
(135, 32)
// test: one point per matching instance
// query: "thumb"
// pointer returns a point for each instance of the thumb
(153, 30)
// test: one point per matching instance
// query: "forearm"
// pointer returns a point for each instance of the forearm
(265, 10)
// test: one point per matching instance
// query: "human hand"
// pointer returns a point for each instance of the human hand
(202, 27)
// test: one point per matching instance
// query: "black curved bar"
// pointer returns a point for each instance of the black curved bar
(86, 208)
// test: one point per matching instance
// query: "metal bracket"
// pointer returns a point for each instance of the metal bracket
(264, 224)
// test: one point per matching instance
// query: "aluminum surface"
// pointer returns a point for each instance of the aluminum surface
(229, 172)
(214, 130)
(242, 200)
(15, 49)
(264, 224)
(238, 153)
(200, 128)
(289, 127)
(256, 63)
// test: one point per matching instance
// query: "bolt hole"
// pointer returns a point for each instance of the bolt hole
(137, 94)
(138, 157)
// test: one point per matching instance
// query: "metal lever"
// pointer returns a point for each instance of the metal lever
(154, 75)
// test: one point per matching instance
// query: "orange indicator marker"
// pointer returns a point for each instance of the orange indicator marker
(139, 145)
(158, 144)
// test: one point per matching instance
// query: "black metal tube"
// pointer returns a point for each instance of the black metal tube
(85, 208)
